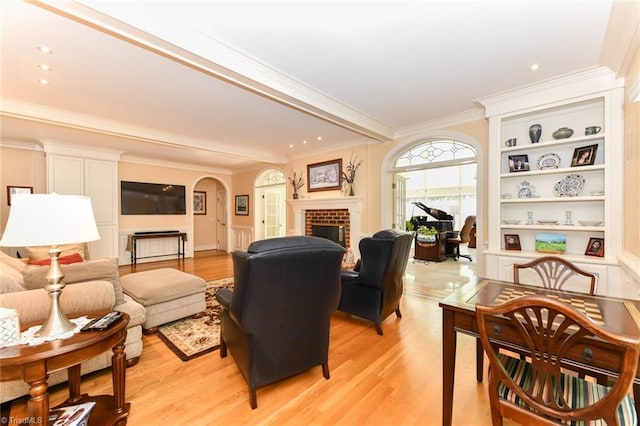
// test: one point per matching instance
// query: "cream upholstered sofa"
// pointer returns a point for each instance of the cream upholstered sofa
(92, 285)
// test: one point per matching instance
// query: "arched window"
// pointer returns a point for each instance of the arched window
(271, 177)
(434, 151)
(440, 173)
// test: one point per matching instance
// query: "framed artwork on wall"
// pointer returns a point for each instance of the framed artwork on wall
(242, 205)
(324, 176)
(15, 190)
(199, 202)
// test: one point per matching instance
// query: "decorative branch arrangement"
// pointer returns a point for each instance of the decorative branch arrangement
(349, 172)
(296, 183)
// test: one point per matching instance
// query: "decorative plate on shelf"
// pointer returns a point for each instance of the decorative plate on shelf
(548, 161)
(569, 186)
(510, 221)
(547, 222)
(590, 222)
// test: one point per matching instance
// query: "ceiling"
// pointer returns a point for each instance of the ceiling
(231, 84)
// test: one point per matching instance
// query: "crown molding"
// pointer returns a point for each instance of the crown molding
(441, 123)
(622, 39)
(589, 80)
(18, 144)
(42, 114)
(201, 52)
(172, 164)
(76, 150)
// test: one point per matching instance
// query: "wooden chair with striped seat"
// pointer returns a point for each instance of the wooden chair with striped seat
(538, 392)
(554, 273)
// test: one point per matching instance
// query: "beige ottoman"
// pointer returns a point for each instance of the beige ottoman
(167, 295)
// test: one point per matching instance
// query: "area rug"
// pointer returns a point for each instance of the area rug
(191, 337)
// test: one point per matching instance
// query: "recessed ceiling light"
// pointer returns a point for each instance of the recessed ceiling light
(45, 67)
(43, 81)
(319, 138)
(304, 142)
(290, 145)
(45, 49)
(534, 67)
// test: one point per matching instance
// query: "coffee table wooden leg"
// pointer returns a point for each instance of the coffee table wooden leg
(73, 374)
(118, 375)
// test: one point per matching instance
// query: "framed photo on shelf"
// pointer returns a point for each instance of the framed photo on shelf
(595, 247)
(584, 156)
(242, 205)
(324, 176)
(15, 190)
(512, 242)
(519, 163)
(549, 242)
(199, 202)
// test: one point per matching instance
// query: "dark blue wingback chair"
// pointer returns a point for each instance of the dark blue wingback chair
(276, 320)
(373, 289)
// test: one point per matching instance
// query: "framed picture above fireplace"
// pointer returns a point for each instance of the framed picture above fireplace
(324, 176)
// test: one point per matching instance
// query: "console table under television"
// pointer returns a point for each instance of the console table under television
(180, 236)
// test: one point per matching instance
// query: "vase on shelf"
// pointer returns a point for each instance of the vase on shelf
(535, 131)
(295, 195)
(349, 190)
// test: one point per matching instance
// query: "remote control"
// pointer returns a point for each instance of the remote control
(102, 323)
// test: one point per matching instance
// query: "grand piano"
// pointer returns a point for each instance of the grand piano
(443, 222)
(436, 252)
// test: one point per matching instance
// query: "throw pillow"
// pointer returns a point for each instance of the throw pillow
(62, 260)
(42, 252)
(90, 270)
(16, 264)
(10, 279)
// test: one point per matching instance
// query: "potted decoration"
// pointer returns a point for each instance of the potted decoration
(296, 183)
(426, 235)
(349, 174)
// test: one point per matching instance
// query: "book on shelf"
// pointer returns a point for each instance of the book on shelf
(72, 415)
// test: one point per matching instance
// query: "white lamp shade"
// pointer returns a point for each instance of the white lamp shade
(49, 219)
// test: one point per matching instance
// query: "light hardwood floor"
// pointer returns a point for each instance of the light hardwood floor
(393, 379)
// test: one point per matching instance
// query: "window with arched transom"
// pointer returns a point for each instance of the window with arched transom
(439, 173)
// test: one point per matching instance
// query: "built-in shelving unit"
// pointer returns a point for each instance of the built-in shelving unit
(566, 201)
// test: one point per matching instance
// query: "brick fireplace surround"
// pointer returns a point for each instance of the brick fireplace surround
(335, 211)
(328, 217)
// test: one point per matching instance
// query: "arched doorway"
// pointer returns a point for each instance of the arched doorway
(210, 228)
(270, 195)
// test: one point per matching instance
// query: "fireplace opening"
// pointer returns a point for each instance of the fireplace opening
(331, 232)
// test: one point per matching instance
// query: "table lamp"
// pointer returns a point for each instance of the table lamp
(50, 219)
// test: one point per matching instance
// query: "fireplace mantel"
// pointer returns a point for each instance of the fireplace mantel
(353, 204)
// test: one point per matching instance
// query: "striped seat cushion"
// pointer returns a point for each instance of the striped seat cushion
(578, 393)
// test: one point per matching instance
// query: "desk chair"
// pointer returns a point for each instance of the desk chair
(463, 237)
(538, 392)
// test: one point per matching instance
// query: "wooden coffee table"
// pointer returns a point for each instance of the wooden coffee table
(33, 364)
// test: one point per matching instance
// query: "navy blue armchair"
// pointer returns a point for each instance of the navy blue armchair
(374, 288)
(276, 320)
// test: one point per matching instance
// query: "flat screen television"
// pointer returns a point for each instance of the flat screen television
(152, 198)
